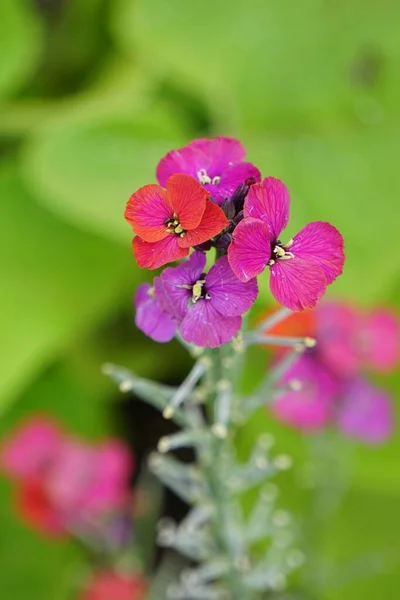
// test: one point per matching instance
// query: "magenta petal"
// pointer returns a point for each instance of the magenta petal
(30, 448)
(250, 249)
(297, 284)
(270, 202)
(206, 327)
(381, 340)
(338, 331)
(310, 407)
(322, 244)
(365, 413)
(175, 293)
(151, 318)
(230, 296)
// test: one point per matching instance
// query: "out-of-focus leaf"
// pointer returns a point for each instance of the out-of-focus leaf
(345, 178)
(56, 282)
(21, 40)
(270, 63)
(85, 170)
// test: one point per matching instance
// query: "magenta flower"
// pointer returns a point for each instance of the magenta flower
(216, 163)
(302, 268)
(62, 482)
(310, 407)
(151, 318)
(365, 412)
(208, 307)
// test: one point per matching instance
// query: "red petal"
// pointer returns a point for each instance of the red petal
(212, 223)
(297, 284)
(153, 255)
(147, 210)
(270, 202)
(187, 198)
(250, 249)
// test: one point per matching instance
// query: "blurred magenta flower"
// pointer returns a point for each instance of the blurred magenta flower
(150, 317)
(169, 222)
(300, 269)
(216, 163)
(327, 380)
(62, 483)
(109, 585)
(208, 306)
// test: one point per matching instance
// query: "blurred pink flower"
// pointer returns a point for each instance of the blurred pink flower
(63, 482)
(108, 585)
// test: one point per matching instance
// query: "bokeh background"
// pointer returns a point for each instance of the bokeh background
(92, 94)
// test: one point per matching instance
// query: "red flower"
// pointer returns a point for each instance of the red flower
(108, 585)
(168, 222)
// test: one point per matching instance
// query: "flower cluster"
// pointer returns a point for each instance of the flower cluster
(330, 376)
(65, 485)
(209, 197)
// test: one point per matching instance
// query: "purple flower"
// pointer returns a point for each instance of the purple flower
(365, 412)
(208, 306)
(150, 317)
(300, 269)
(216, 163)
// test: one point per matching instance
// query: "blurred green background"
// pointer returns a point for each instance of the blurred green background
(92, 94)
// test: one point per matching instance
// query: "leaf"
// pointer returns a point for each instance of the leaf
(21, 43)
(56, 282)
(86, 169)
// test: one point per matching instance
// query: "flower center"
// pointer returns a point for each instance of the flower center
(174, 226)
(279, 252)
(199, 290)
(205, 179)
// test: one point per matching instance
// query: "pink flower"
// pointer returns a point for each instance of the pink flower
(150, 316)
(109, 585)
(216, 163)
(168, 222)
(62, 482)
(208, 306)
(302, 268)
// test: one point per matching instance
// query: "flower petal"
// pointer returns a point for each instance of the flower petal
(231, 178)
(30, 447)
(173, 286)
(381, 340)
(187, 199)
(270, 202)
(213, 222)
(154, 255)
(365, 412)
(310, 407)
(297, 284)
(229, 296)
(147, 210)
(151, 318)
(250, 249)
(338, 329)
(206, 327)
(322, 244)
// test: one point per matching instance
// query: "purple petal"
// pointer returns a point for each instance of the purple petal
(270, 202)
(310, 407)
(231, 178)
(365, 413)
(322, 244)
(151, 318)
(250, 249)
(337, 331)
(206, 327)
(297, 284)
(173, 295)
(219, 157)
(229, 296)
